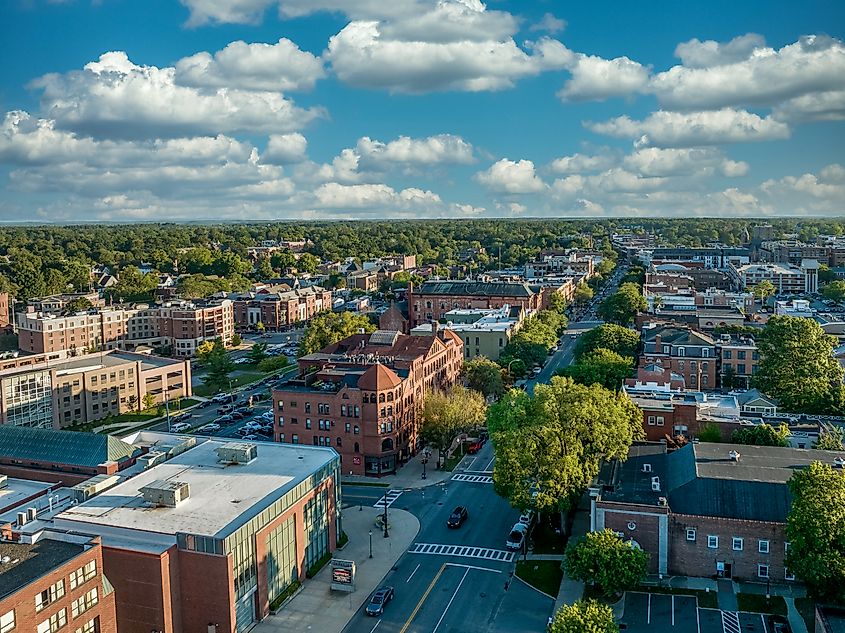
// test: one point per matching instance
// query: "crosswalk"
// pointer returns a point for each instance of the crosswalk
(473, 479)
(466, 551)
(392, 495)
(730, 622)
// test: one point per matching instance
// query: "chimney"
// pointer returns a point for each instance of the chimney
(434, 326)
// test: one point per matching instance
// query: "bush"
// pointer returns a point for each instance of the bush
(343, 540)
(269, 365)
(287, 593)
(316, 567)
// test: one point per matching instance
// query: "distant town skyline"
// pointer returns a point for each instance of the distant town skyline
(321, 109)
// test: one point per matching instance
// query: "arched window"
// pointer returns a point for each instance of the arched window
(340, 441)
(387, 444)
(390, 410)
(390, 396)
(357, 447)
(381, 397)
(428, 304)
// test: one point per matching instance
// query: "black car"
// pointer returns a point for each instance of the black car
(457, 518)
(379, 599)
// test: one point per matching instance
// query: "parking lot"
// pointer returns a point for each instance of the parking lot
(649, 612)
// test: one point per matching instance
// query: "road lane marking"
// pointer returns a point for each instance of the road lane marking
(375, 627)
(648, 612)
(730, 622)
(673, 610)
(495, 571)
(449, 604)
(420, 603)
(490, 465)
(464, 551)
(392, 495)
(473, 479)
(413, 572)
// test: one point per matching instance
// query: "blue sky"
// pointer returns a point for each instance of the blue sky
(264, 109)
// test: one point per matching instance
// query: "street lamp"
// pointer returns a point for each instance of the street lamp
(371, 543)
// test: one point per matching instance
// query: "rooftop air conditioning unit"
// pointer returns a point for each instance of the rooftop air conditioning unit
(166, 493)
(237, 453)
(4, 481)
(655, 484)
(646, 468)
(734, 456)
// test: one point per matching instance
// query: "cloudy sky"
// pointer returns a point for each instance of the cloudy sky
(259, 109)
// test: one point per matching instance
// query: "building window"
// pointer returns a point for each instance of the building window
(83, 574)
(84, 602)
(7, 621)
(307, 423)
(294, 439)
(762, 571)
(651, 420)
(54, 622)
(763, 547)
(736, 544)
(281, 437)
(788, 575)
(49, 595)
(691, 534)
(726, 354)
(91, 626)
(340, 441)
(659, 420)
(347, 427)
(356, 430)
(712, 541)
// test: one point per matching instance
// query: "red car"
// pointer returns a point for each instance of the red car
(473, 448)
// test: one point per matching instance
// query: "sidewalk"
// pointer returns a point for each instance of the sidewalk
(316, 607)
(573, 590)
(409, 475)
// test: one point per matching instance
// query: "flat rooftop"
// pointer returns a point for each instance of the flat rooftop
(19, 490)
(222, 496)
(27, 563)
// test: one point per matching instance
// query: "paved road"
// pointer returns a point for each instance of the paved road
(454, 580)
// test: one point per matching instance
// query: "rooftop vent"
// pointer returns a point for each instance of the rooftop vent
(733, 456)
(662, 501)
(646, 468)
(839, 462)
(4, 481)
(655, 484)
(166, 493)
(31, 514)
(237, 453)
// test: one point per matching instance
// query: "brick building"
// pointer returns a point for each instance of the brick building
(706, 510)
(685, 351)
(280, 309)
(182, 326)
(60, 393)
(433, 299)
(54, 581)
(361, 396)
(212, 536)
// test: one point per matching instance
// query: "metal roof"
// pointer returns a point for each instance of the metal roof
(63, 447)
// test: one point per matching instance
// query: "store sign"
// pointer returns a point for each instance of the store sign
(356, 460)
(343, 575)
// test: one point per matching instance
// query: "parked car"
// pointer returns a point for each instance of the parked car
(237, 415)
(250, 436)
(517, 536)
(536, 371)
(526, 517)
(378, 601)
(180, 427)
(475, 446)
(224, 419)
(226, 408)
(211, 427)
(457, 518)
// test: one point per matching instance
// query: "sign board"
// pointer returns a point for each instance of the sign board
(356, 460)
(343, 575)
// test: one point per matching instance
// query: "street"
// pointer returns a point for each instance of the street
(454, 579)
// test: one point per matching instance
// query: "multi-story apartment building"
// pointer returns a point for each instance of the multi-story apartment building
(793, 252)
(209, 538)
(786, 278)
(484, 332)
(739, 359)
(362, 396)
(561, 262)
(687, 352)
(278, 310)
(705, 509)
(182, 326)
(433, 299)
(708, 256)
(60, 393)
(54, 581)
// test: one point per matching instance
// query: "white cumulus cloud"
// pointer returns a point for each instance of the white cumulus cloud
(442, 148)
(285, 148)
(698, 54)
(507, 176)
(595, 78)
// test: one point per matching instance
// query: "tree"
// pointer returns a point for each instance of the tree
(764, 290)
(330, 327)
(236, 340)
(203, 352)
(273, 363)
(307, 263)
(557, 303)
(762, 435)
(797, 365)
(835, 290)
(133, 402)
(584, 616)
(484, 376)
(219, 365)
(447, 413)
(601, 366)
(282, 260)
(263, 269)
(610, 336)
(832, 438)
(583, 294)
(709, 432)
(815, 529)
(826, 275)
(605, 559)
(77, 305)
(549, 446)
(257, 352)
(728, 378)
(148, 401)
(259, 327)
(623, 305)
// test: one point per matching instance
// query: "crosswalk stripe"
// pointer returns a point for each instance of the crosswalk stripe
(730, 622)
(462, 551)
(392, 495)
(475, 479)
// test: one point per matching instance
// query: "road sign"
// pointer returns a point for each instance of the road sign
(343, 575)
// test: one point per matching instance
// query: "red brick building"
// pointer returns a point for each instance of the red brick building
(433, 299)
(54, 581)
(687, 352)
(361, 396)
(278, 310)
(706, 510)
(212, 536)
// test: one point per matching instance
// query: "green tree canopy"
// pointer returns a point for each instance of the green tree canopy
(446, 413)
(257, 352)
(606, 560)
(831, 439)
(601, 366)
(484, 376)
(219, 365)
(797, 365)
(835, 290)
(549, 446)
(815, 529)
(615, 338)
(330, 327)
(77, 305)
(623, 305)
(583, 293)
(762, 435)
(764, 290)
(307, 263)
(584, 616)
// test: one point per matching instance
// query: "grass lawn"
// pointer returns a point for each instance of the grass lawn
(807, 608)
(756, 603)
(544, 575)
(706, 600)
(239, 379)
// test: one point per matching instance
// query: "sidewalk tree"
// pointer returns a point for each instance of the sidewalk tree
(257, 352)
(557, 303)
(203, 352)
(623, 305)
(605, 559)
(797, 365)
(583, 293)
(330, 327)
(148, 401)
(236, 340)
(549, 446)
(584, 616)
(762, 435)
(610, 336)
(835, 290)
(764, 290)
(601, 366)
(219, 365)
(260, 328)
(447, 413)
(815, 529)
(484, 376)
